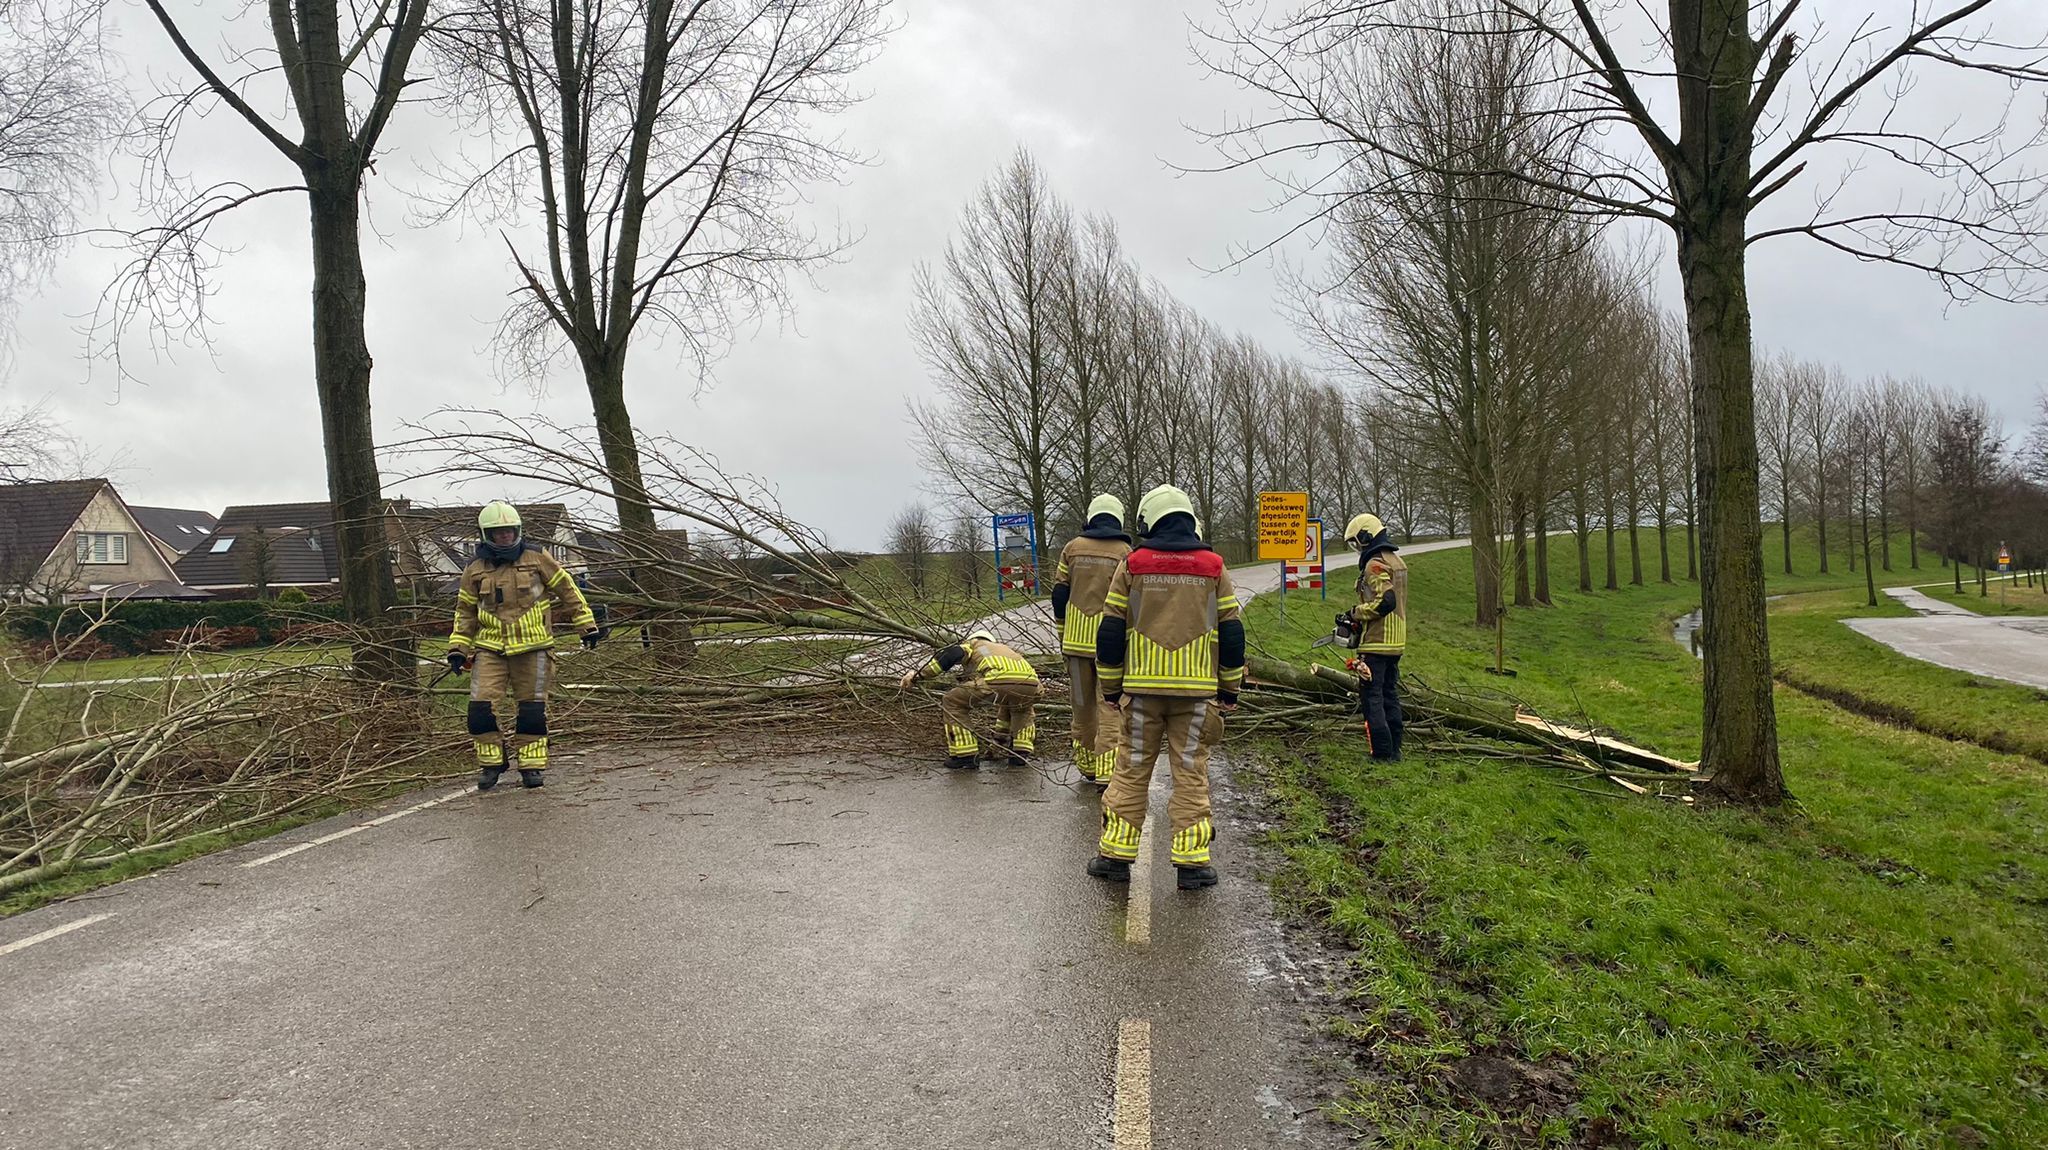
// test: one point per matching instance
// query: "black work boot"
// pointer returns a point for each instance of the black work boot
(1194, 877)
(488, 778)
(530, 777)
(961, 763)
(1109, 870)
(1019, 759)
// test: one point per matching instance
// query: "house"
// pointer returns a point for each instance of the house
(75, 540)
(175, 529)
(258, 548)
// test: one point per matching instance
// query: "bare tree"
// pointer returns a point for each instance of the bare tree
(59, 107)
(664, 145)
(1717, 137)
(34, 445)
(987, 325)
(343, 83)
(968, 533)
(1817, 390)
(913, 540)
(1966, 464)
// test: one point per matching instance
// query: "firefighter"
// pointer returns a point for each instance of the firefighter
(511, 597)
(1087, 564)
(988, 671)
(1382, 617)
(1170, 655)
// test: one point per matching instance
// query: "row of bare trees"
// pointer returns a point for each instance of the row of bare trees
(1724, 123)
(1063, 372)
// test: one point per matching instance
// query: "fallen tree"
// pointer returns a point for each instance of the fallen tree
(788, 641)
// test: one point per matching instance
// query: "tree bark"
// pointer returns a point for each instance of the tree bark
(1522, 594)
(1543, 554)
(1485, 549)
(341, 375)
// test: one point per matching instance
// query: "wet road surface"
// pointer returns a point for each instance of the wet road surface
(808, 953)
(2011, 648)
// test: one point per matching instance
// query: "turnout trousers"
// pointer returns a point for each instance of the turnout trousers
(1096, 723)
(1016, 726)
(525, 678)
(1185, 729)
(1380, 702)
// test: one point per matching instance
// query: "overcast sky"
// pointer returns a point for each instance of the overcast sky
(1098, 91)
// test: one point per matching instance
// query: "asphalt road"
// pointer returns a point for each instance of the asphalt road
(2011, 648)
(800, 953)
(755, 951)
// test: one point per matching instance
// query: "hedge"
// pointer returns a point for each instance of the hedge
(139, 627)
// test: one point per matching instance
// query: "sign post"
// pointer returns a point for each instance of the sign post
(1283, 530)
(2005, 569)
(1015, 576)
(1309, 574)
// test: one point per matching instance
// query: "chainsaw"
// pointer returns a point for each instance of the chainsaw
(1345, 634)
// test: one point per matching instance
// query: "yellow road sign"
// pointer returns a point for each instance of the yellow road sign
(1283, 524)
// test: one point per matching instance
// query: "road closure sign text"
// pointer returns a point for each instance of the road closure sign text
(1283, 524)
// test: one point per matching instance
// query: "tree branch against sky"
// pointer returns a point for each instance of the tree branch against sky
(663, 147)
(1726, 115)
(342, 71)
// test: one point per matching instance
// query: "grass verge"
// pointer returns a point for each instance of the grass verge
(1536, 966)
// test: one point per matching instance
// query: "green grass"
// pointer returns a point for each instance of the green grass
(2018, 598)
(1814, 651)
(1865, 969)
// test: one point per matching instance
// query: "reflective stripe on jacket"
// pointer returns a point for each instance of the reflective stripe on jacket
(512, 608)
(1174, 606)
(1086, 568)
(1384, 634)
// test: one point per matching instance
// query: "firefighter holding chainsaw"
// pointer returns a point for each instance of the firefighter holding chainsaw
(1378, 629)
(511, 598)
(989, 672)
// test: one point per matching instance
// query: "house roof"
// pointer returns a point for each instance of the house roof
(35, 518)
(178, 528)
(300, 538)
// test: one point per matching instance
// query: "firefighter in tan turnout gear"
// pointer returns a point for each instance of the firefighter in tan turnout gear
(1087, 565)
(511, 597)
(988, 671)
(1382, 620)
(1171, 658)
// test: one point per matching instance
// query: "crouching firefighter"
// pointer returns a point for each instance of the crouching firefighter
(1381, 619)
(1087, 564)
(989, 671)
(512, 596)
(1171, 658)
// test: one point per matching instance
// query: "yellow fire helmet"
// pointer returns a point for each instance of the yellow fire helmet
(1362, 527)
(497, 513)
(1106, 505)
(980, 636)
(1160, 502)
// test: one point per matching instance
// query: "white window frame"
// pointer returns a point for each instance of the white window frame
(101, 548)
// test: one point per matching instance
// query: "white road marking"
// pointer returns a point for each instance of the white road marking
(347, 831)
(1133, 1119)
(53, 932)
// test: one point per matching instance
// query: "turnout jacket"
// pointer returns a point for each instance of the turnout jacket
(1087, 565)
(1170, 622)
(982, 660)
(512, 608)
(1382, 599)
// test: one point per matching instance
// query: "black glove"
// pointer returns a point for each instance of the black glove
(592, 638)
(1227, 698)
(457, 662)
(1343, 619)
